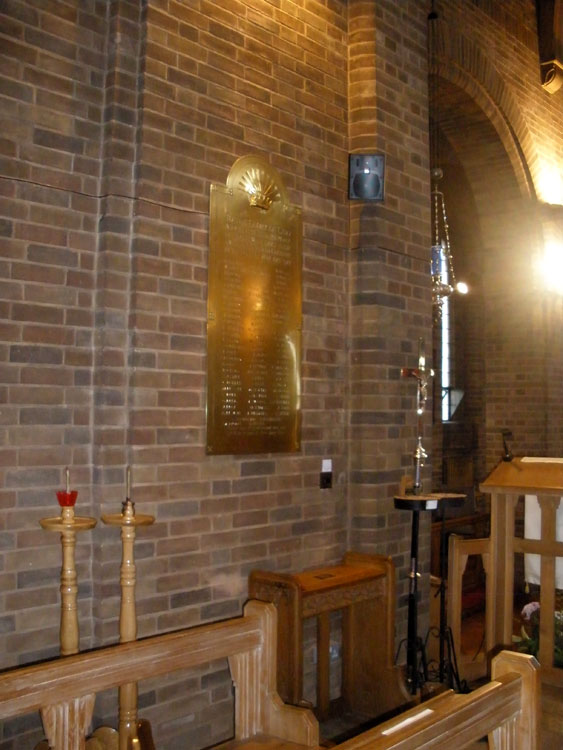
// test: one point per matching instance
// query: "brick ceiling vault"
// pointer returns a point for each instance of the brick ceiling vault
(471, 93)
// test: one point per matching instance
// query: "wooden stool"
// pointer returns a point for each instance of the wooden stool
(363, 587)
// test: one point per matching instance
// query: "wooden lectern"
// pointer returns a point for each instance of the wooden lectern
(510, 479)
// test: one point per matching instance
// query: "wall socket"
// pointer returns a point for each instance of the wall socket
(325, 482)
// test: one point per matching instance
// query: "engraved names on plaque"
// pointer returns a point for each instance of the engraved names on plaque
(254, 314)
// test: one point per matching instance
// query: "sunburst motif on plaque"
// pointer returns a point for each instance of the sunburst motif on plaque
(260, 181)
(261, 188)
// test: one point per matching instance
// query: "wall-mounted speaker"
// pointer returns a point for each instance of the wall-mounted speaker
(366, 179)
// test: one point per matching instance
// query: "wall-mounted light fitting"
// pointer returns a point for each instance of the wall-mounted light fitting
(549, 14)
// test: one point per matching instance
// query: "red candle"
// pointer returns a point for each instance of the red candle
(67, 498)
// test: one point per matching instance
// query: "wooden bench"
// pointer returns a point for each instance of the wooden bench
(505, 709)
(63, 690)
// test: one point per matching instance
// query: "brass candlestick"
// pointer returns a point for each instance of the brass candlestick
(128, 521)
(68, 525)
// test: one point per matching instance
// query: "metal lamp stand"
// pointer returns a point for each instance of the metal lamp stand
(417, 671)
(416, 501)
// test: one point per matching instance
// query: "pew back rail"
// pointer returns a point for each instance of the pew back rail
(64, 689)
(506, 709)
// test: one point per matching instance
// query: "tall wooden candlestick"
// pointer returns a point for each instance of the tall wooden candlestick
(127, 617)
(68, 525)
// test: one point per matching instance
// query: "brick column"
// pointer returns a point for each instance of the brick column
(390, 281)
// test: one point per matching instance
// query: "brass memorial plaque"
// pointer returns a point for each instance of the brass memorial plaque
(253, 314)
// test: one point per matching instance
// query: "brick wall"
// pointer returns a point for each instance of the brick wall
(505, 323)
(116, 118)
(222, 81)
(390, 305)
(52, 67)
(52, 106)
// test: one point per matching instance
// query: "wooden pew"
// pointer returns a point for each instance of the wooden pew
(507, 708)
(64, 690)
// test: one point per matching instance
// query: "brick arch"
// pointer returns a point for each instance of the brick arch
(463, 63)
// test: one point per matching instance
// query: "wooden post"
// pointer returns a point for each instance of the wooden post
(66, 723)
(548, 505)
(527, 726)
(500, 591)
(457, 560)
(323, 665)
(258, 707)
(458, 553)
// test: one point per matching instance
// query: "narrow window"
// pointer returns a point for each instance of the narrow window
(446, 345)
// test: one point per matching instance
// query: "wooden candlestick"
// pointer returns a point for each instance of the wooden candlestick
(127, 617)
(128, 521)
(68, 525)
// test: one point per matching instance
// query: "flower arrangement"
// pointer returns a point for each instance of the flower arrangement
(530, 632)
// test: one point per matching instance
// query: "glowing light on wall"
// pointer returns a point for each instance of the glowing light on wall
(550, 184)
(550, 267)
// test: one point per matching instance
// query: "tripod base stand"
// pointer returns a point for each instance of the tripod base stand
(447, 665)
(417, 668)
(417, 664)
(448, 671)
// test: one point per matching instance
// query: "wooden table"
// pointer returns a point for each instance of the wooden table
(363, 588)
